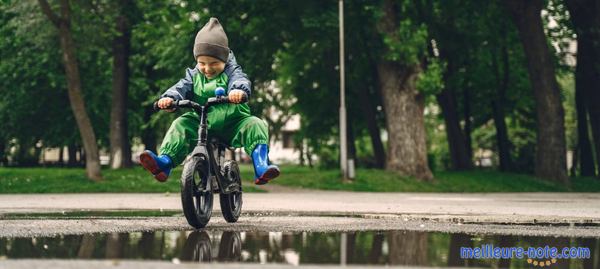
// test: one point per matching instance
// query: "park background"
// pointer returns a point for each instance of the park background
(458, 96)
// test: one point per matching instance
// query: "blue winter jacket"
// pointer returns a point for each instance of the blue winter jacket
(183, 89)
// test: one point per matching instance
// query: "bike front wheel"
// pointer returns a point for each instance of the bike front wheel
(196, 192)
(197, 247)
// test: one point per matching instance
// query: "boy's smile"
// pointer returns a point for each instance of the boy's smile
(209, 66)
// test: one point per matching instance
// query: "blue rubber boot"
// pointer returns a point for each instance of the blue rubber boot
(263, 172)
(159, 166)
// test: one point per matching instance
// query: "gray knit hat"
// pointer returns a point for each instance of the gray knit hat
(212, 41)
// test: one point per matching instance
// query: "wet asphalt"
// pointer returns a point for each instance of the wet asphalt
(539, 214)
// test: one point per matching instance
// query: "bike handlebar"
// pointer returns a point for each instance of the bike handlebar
(191, 104)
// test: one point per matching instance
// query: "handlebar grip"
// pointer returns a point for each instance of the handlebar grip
(155, 106)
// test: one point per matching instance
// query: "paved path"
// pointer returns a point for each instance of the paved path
(494, 208)
(578, 214)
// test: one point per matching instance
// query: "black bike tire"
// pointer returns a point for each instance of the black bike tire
(197, 247)
(230, 209)
(230, 247)
(193, 214)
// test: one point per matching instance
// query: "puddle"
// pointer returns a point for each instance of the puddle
(361, 248)
(91, 214)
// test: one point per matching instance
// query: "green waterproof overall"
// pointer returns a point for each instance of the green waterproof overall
(230, 123)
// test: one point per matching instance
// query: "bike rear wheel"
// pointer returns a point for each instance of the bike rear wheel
(230, 248)
(196, 192)
(231, 203)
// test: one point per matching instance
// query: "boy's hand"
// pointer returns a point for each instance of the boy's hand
(236, 96)
(165, 102)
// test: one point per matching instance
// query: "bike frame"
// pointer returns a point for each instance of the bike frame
(206, 149)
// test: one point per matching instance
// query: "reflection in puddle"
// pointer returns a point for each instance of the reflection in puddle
(377, 248)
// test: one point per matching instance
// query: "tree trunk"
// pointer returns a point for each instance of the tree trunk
(61, 155)
(86, 131)
(82, 156)
(72, 155)
(584, 15)
(502, 141)
(457, 241)
(120, 149)
(3, 158)
(404, 107)
(589, 243)
(456, 140)
(408, 248)
(148, 133)
(505, 241)
(459, 155)
(575, 162)
(550, 161)
(586, 157)
(87, 246)
(301, 151)
(371, 118)
(38, 155)
(146, 245)
(376, 251)
(595, 123)
(149, 138)
(309, 156)
(115, 243)
(467, 119)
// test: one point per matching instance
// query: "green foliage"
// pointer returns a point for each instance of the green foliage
(472, 39)
(290, 50)
(407, 43)
(307, 67)
(438, 154)
(431, 81)
(32, 83)
(560, 34)
(567, 86)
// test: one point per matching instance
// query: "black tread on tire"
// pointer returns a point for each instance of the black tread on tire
(197, 205)
(231, 203)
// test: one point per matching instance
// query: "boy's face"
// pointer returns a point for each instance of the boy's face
(209, 66)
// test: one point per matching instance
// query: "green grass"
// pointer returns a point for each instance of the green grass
(470, 181)
(73, 180)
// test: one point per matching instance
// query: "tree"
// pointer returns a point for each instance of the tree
(120, 148)
(446, 30)
(484, 71)
(502, 75)
(408, 248)
(472, 40)
(457, 142)
(584, 16)
(550, 160)
(403, 103)
(362, 57)
(63, 24)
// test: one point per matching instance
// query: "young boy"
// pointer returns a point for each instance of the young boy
(232, 123)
